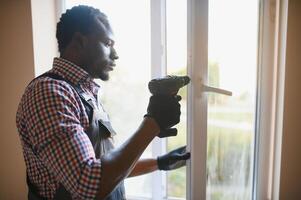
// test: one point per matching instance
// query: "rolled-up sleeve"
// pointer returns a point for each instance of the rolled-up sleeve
(54, 112)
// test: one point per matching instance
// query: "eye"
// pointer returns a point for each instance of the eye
(108, 43)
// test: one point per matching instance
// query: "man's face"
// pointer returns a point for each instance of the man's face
(99, 53)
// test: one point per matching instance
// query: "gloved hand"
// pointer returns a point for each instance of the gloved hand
(174, 159)
(165, 109)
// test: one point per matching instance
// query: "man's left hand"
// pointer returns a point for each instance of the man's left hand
(174, 159)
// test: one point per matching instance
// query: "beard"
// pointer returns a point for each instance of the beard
(104, 76)
(100, 71)
(103, 72)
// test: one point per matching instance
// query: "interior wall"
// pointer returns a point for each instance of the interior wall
(290, 179)
(28, 45)
(17, 69)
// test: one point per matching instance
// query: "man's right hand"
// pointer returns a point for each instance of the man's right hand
(165, 109)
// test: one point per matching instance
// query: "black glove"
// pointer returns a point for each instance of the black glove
(165, 109)
(174, 159)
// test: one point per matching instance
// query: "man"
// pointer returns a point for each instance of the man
(66, 135)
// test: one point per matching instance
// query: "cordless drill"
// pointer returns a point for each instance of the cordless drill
(167, 85)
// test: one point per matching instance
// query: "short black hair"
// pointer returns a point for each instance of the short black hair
(77, 19)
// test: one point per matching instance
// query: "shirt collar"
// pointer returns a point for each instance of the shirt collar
(74, 74)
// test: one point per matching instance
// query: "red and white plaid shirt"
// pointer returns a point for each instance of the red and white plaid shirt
(51, 120)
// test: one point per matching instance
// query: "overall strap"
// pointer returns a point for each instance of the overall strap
(85, 100)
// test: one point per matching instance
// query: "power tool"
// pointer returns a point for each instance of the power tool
(167, 85)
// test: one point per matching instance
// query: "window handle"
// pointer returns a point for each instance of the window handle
(206, 88)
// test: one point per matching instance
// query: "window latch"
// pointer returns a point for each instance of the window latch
(206, 88)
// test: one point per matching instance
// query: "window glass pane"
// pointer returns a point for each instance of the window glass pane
(233, 36)
(176, 41)
(125, 96)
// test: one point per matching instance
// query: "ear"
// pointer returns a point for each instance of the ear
(79, 40)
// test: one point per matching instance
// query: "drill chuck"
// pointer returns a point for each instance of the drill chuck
(168, 85)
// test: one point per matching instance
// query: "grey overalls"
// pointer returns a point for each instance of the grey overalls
(100, 133)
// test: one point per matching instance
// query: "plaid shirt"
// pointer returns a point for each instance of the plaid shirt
(51, 120)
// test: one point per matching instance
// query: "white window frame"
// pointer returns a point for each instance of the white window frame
(197, 44)
(271, 62)
(272, 43)
(158, 69)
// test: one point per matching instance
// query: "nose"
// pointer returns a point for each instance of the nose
(114, 55)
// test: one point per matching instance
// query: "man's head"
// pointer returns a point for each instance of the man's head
(85, 37)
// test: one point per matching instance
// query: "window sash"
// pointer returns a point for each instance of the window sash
(197, 102)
